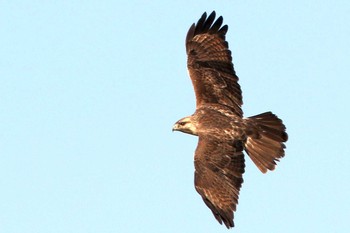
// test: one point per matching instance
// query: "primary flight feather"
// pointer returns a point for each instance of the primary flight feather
(218, 122)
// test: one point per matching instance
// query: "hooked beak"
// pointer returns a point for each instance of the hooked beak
(175, 127)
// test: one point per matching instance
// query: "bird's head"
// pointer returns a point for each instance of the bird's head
(186, 125)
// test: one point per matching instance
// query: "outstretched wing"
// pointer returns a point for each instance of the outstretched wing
(210, 65)
(218, 176)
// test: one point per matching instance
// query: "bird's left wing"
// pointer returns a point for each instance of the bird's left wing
(219, 167)
(209, 63)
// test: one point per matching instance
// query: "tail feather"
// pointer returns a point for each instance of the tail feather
(266, 146)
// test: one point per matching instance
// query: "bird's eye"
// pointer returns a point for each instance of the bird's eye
(182, 123)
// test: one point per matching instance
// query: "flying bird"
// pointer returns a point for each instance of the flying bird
(219, 124)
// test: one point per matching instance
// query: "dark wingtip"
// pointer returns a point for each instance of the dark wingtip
(190, 33)
(284, 136)
(221, 216)
(207, 25)
(227, 218)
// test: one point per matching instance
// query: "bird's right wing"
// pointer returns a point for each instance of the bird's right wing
(219, 167)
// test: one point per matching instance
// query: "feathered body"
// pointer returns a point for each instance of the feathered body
(218, 122)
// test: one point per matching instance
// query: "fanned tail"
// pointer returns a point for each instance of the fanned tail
(266, 145)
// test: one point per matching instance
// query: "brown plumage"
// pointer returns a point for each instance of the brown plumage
(218, 122)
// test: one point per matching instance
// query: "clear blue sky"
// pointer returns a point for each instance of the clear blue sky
(89, 91)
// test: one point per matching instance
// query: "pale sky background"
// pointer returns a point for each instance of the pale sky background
(89, 91)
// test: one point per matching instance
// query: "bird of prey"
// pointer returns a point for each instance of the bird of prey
(219, 124)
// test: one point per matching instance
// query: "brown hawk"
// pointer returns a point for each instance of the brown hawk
(218, 122)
